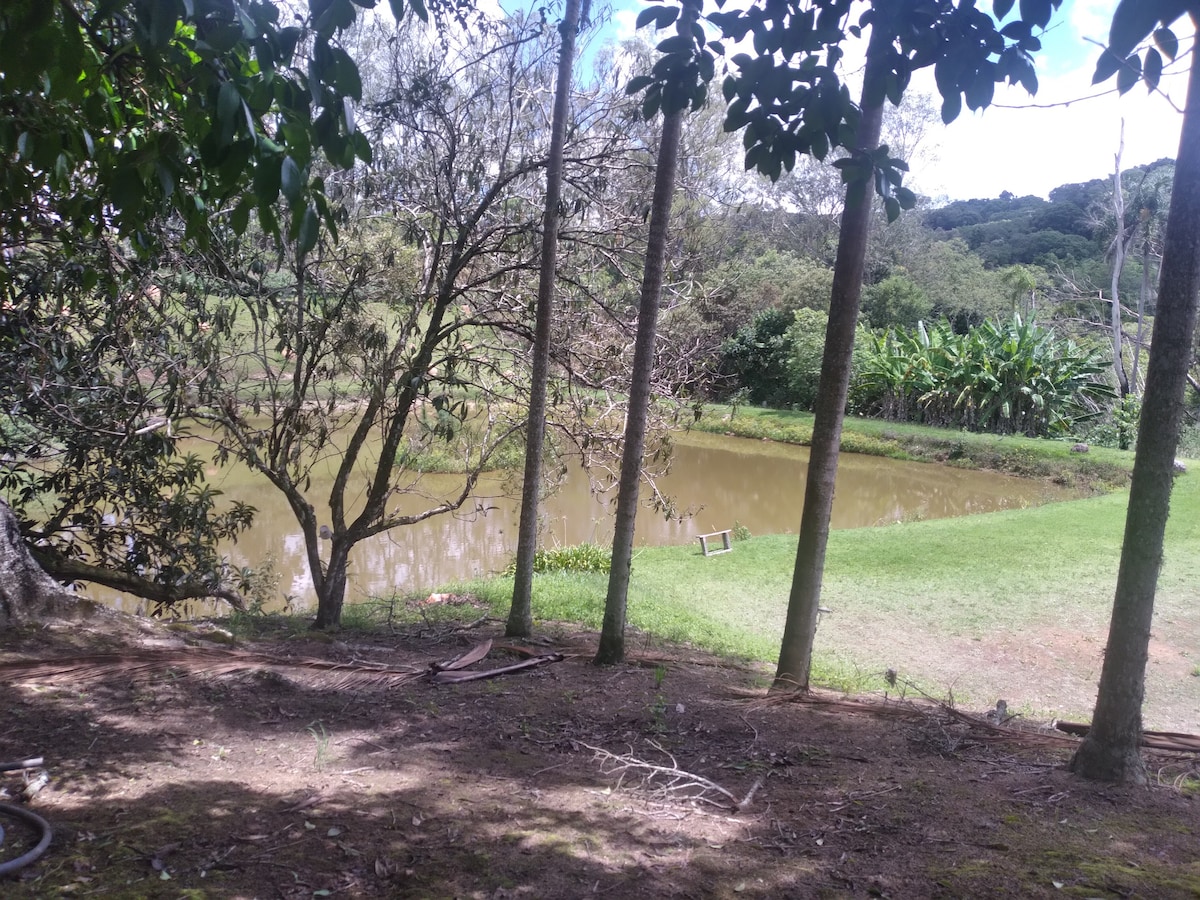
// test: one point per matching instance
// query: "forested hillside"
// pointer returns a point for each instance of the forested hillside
(1044, 268)
(1069, 228)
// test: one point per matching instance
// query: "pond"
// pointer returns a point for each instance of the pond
(719, 480)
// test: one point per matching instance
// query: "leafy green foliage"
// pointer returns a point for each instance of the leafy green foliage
(955, 282)
(895, 301)
(1066, 230)
(1118, 429)
(130, 129)
(460, 451)
(90, 382)
(679, 79)
(131, 109)
(806, 338)
(1133, 22)
(1026, 230)
(1015, 378)
(758, 358)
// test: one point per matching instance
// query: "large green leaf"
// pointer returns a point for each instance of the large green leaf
(291, 180)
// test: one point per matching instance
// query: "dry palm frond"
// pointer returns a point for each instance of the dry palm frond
(133, 664)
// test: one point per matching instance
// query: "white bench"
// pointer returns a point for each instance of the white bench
(726, 543)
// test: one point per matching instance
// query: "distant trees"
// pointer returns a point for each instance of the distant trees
(806, 341)
(1064, 230)
(759, 359)
(896, 301)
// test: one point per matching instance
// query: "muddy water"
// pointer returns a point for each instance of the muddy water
(721, 480)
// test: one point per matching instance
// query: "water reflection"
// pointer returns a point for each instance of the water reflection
(722, 479)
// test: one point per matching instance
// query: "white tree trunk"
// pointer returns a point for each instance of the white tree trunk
(1120, 248)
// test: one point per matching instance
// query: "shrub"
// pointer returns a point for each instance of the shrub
(1011, 378)
(806, 338)
(758, 358)
(577, 558)
(895, 301)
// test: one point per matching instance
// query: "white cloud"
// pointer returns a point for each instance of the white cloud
(1068, 133)
(1088, 18)
(623, 24)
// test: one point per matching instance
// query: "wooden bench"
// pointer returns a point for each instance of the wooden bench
(726, 543)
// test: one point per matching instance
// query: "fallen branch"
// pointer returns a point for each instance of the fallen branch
(1153, 740)
(450, 677)
(671, 780)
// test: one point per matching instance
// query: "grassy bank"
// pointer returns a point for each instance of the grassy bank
(1098, 470)
(1012, 604)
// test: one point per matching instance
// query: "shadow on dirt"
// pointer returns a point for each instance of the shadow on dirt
(561, 782)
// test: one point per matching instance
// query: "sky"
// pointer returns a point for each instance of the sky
(1068, 133)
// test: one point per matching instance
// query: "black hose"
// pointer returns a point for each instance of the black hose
(19, 812)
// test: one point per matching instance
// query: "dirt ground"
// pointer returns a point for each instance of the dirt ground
(182, 768)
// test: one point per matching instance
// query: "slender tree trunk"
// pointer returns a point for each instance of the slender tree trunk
(520, 616)
(795, 655)
(1119, 247)
(612, 633)
(1110, 750)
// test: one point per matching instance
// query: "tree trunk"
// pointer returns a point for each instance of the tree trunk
(612, 633)
(1119, 247)
(27, 593)
(520, 616)
(795, 655)
(331, 589)
(1110, 750)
